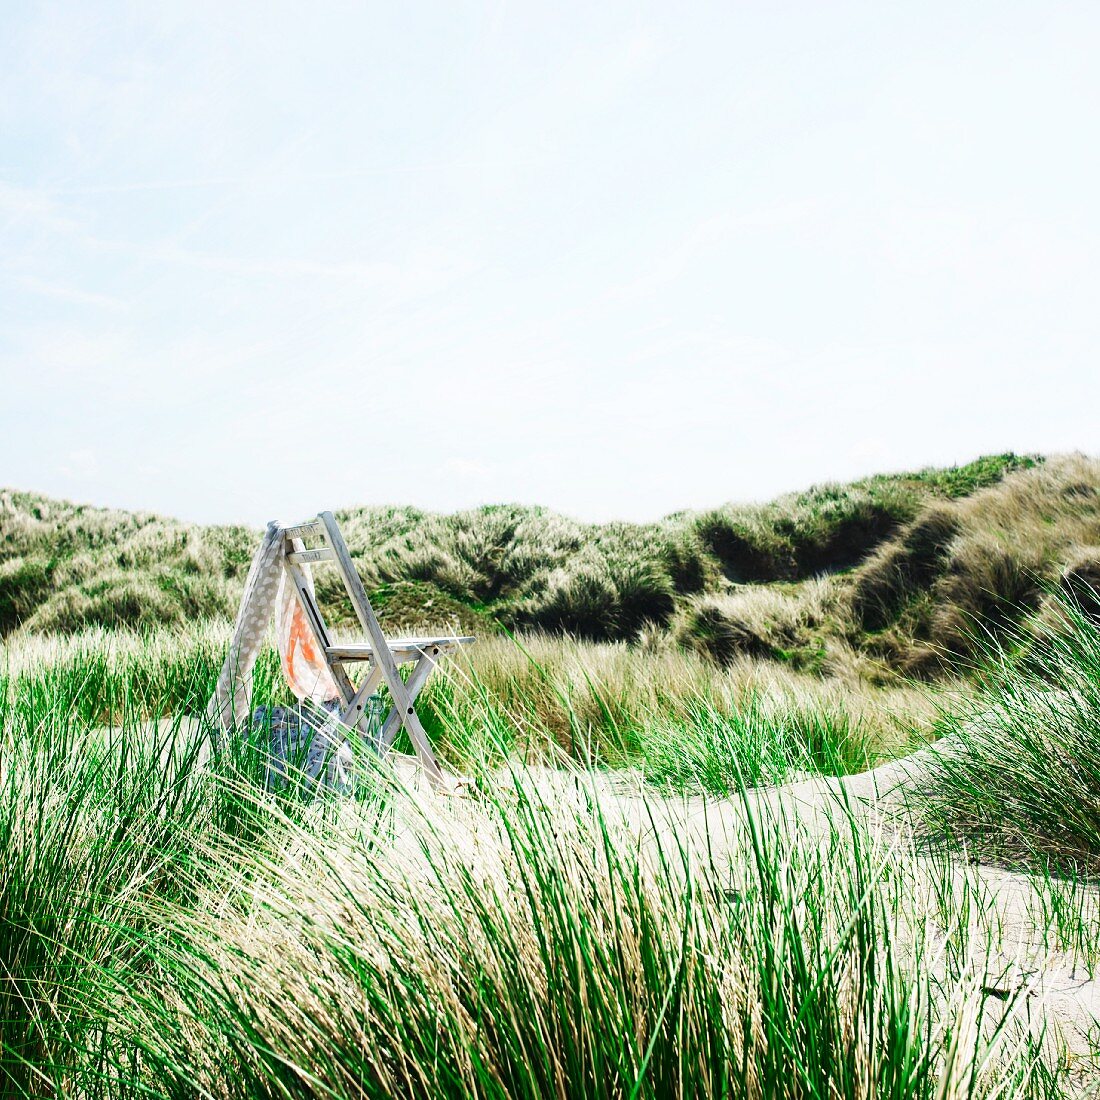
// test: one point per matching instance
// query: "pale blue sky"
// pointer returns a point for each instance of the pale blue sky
(259, 260)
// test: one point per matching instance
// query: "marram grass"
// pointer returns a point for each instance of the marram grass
(603, 703)
(167, 928)
(392, 956)
(65, 566)
(1018, 774)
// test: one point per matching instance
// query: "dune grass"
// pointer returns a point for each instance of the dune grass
(979, 565)
(89, 831)
(619, 911)
(1018, 778)
(554, 959)
(170, 929)
(66, 566)
(661, 710)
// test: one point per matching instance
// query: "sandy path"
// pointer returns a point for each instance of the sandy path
(1040, 983)
(1053, 989)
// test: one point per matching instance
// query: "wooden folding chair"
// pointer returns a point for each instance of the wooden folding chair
(381, 655)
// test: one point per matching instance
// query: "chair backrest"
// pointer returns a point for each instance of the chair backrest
(333, 548)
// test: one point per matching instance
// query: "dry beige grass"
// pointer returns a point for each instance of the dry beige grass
(566, 687)
(27, 652)
(980, 563)
(977, 564)
(754, 620)
(435, 929)
(63, 566)
(539, 693)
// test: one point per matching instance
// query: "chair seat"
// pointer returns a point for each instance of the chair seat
(403, 649)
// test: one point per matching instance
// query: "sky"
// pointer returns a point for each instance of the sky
(259, 260)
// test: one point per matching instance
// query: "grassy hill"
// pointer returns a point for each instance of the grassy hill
(965, 566)
(892, 570)
(173, 924)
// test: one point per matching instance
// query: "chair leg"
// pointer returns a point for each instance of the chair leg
(353, 713)
(353, 584)
(420, 673)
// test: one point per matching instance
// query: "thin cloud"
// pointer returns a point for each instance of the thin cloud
(75, 295)
(284, 179)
